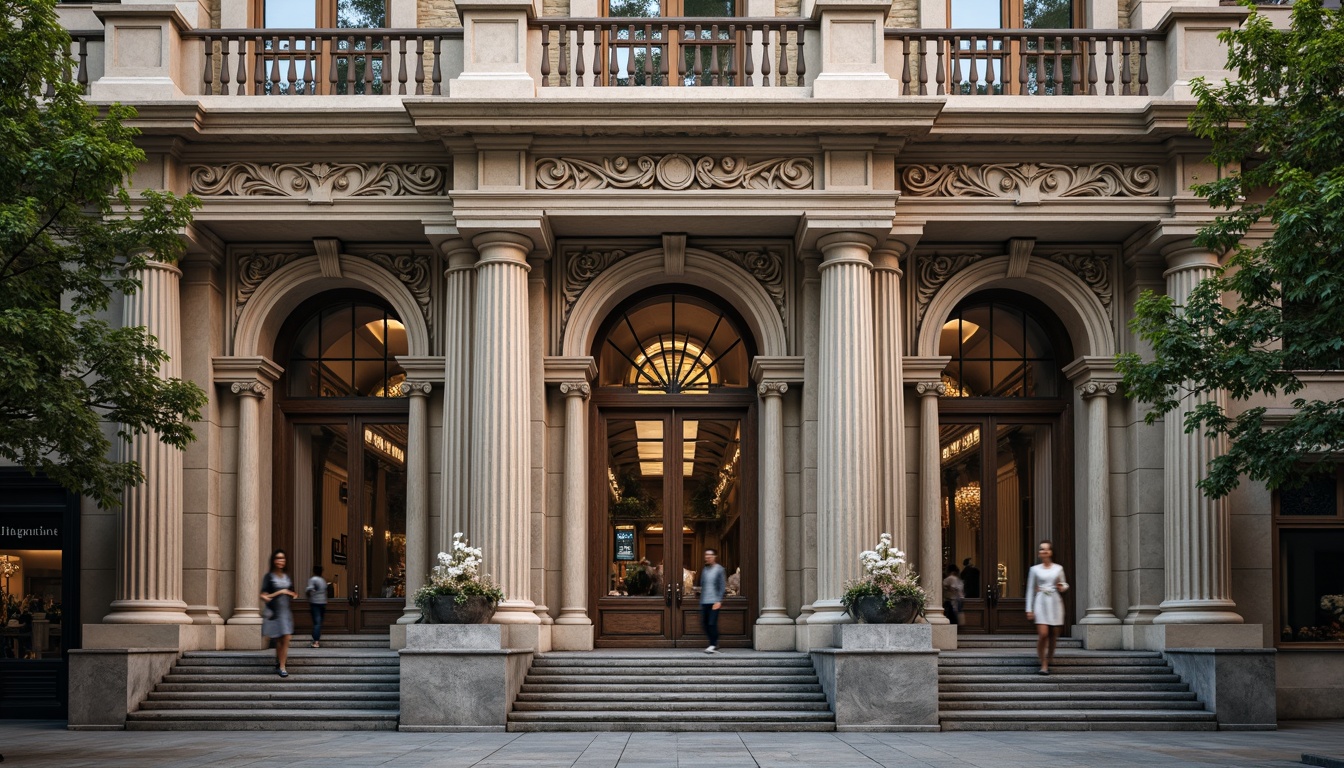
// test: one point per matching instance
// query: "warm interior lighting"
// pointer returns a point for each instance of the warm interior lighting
(376, 328)
(968, 328)
(658, 528)
(967, 500)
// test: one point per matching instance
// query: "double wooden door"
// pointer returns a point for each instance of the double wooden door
(669, 484)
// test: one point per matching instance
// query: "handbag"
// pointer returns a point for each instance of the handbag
(267, 585)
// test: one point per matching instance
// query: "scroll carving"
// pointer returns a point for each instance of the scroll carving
(674, 172)
(1030, 182)
(413, 272)
(582, 268)
(767, 266)
(1093, 269)
(319, 182)
(253, 269)
(933, 271)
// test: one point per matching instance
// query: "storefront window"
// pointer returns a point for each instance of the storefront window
(33, 601)
(1311, 562)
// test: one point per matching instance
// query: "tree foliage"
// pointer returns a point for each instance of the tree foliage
(71, 238)
(1276, 309)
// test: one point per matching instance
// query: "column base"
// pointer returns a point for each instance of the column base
(204, 614)
(244, 637)
(1099, 636)
(1158, 637)
(1198, 612)
(148, 612)
(572, 637)
(516, 612)
(936, 616)
(411, 615)
(180, 637)
(1142, 614)
(1099, 616)
(775, 637)
(945, 636)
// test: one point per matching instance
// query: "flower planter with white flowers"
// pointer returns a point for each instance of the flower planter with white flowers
(889, 593)
(456, 592)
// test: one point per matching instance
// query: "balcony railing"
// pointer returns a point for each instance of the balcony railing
(672, 51)
(306, 62)
(78, 70)
(1027, 62)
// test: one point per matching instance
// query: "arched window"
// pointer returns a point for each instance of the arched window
(348, 349)
(677, 344)
(998, 349)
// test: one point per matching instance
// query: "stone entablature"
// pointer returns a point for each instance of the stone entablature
(674, 172)
(1029, 182)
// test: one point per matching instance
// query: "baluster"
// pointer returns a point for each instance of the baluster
(765, 51)
(419, 65)
(224, 66)
(545, 55)
(1092, 65)
(697, 64)
(1076, 76)
(1040, 66)
(208, 77)
(292, 74)
(975, 66)
(597, 56)
(564, 54)
(713, 74)
(905, 65)
(749, 66)
(941, 73)
(1110, 67)
(1124, 67)
(314, 57)
(259, 72)
(800, 71)
(401, 65)
(1058, 75)
(648, 55)
(333, 75)
(782, 78)
(436, 73)
(923, 65)
(1143, 66)
(274, 78)
(578, 57)
(368, 65)
(666, 50)
(732, 54)
(630, 68)
(612, 47)
(1020, 43)
(956, 64)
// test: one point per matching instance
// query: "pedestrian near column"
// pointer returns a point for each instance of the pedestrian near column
(1045, 605)
(317, 603)
(954, 593)
(713, 585)
(277, 621)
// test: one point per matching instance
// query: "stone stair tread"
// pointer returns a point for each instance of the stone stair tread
(602, 705)
(1046, 684)
(248, 695)
(251, 677)
(267, 706)
(622, 680)
(717, 661)
(792, 726)
(278, 685)
(1080, 725)
(675, 696)
(1072, 677)
(683, 716)
(1069, 695)
(698, 686)
(1157, 707)
(1055, 669)
(263, 715)
(1053, 715)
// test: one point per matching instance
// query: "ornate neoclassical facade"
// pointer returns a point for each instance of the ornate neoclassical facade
(602, 293)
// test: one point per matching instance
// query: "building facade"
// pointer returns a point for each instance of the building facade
(573, 277)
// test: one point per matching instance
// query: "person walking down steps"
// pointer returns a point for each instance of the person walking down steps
(317, 603)
(1045, 606)
(713, 585)
(277, 622)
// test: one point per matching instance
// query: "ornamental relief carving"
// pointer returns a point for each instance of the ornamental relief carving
(1030, 182)
(934, 270)
(412, 269)
(767, 266)
(674, 172)
(319, 182)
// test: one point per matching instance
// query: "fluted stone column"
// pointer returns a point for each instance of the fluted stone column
(500, 468)
(574, 583)
(773, 609)
(247, 523)
(846, 429)
(930, 501)
(149, 561)
(1096, 395)
(417, 493)
(1198, 536)
(458, 298)
(887, 345)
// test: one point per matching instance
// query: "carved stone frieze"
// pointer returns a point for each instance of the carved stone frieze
(412, 269)
(932, 272)
(767, 266)
(1030, 182)
(1094, 269)
(253, 269)
(319, 182)
(674, 172)
(580, 269)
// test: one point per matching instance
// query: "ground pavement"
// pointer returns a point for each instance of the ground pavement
(48, 744)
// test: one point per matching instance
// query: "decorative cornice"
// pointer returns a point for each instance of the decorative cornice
(1097, 388)
(416, 388)
(250, 388)
(576, 388)
(1030, 182)
(930, 388)
(674, 172)
(772, 388)
(319, 182)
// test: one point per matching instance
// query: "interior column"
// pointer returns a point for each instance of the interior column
(417, 494)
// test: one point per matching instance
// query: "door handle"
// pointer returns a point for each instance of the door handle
(678, 594)
(667, 595)
(354, 596)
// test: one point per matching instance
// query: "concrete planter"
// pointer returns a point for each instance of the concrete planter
(445, 609)
(459, 677)
(874, 610)
(882, 677)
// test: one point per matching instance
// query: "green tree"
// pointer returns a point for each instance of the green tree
(71, 237)
(1276, 309)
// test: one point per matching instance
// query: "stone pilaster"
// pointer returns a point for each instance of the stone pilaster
(574, 593)
(149, 552)
(846, 429)
(247, 524)
(537, 337)
(930, 502)
(500, 448)
(417, 493)
(773, 609)
(457, 336)
(811, 338)
(887, 345)
(1198, 536)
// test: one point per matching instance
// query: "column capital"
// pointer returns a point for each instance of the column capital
(560, 370)
(459, 253)
(580, 389)
(792, 369)
(1186, 255)
(249, 388)
(229, 370)
(1094, 375)
(416, 388)
(887, 256)
(930, 388)
(165, 266)
(503, 248)
(846, 248)
(768, 389)
(1097, 388)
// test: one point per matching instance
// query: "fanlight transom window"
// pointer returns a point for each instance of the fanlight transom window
(348, 349)
(674, 344)
(998, 350)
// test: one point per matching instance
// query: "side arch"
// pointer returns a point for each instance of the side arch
(646, 270)
(1082, 314)
(278, 296)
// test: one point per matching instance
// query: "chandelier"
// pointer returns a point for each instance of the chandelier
(967, 501)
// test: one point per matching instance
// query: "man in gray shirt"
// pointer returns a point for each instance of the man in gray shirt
(713, 584)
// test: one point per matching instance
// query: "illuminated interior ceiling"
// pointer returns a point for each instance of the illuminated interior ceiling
(706, 446)
(673, 345)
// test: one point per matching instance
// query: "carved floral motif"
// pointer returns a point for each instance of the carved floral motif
(1093, 269)
(1030, 182)
(674, 172)
(413, 271)
(319, 182)
(582, 268)
(767, 266)
(933, 271)
(253, 269)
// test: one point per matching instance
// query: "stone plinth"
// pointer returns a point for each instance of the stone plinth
(1160, 637)
(459, 677)
(882, 677)
(1237, 684)
(107, 683)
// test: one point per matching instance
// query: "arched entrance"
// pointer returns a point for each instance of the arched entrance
(340, 448)
(1004, 442)
(673, 469)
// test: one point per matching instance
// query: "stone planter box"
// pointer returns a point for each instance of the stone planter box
(459, 677)
(882, 677)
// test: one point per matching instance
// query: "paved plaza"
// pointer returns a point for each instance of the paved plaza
(48, 744)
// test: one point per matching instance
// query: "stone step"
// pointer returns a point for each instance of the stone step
(307, 687)
(343, 715)
(269, 668)
(1078, 725)
(258, 704)
(253, 677)
(661, 672)
(684, 696)
(1070, 670)
(699, 686)
(679, 707)
(315, 658)
(620, 681)
(1048, 715)
(344, 641)
(604, 660)
(614, 725)
(246, 696)
(267, 720)
(1072, 705)
(1090, 695)
(1012, 641)
(1071, 677)
(976, 659)
(1053, 683)
(638, 716)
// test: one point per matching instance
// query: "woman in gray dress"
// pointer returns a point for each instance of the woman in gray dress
(277, 622)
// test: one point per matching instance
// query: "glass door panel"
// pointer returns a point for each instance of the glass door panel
(712, 501)
(382, 524)
(962, 505)
(321, 481)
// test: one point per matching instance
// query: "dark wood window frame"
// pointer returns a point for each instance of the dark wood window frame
(1282, 522)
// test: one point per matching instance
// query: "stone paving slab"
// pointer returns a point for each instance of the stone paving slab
(49, 745)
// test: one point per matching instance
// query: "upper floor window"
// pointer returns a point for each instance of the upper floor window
(689, 54)
(348, 349)
(1309, 528)
(1012, 14)
(998, 349)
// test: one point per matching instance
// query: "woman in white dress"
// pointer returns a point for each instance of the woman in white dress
(1045, 606)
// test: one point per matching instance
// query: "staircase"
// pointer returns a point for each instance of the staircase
(990, 684)
(671, 691)
(351, 683)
